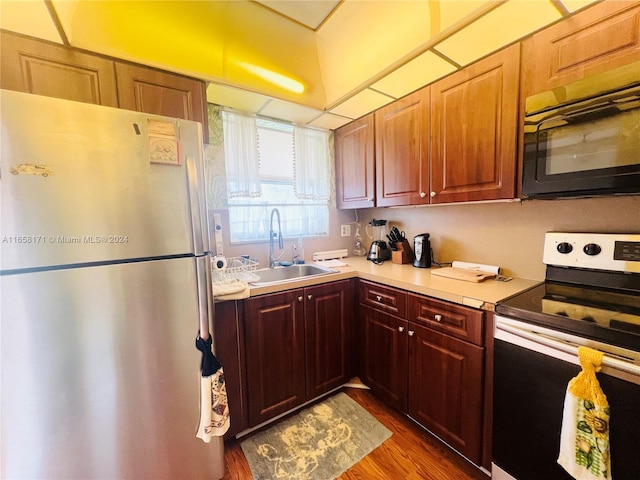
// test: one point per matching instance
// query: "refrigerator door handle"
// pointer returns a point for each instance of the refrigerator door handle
(197, 205)
(205, 295)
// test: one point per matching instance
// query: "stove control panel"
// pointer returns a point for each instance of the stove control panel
(598, 251)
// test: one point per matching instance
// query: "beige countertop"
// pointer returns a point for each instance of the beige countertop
(418, 280)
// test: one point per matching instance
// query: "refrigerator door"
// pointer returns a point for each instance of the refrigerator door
(100, 374)
(82, 183)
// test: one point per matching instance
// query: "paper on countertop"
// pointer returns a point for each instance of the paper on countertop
(331, 263)
(477, 266)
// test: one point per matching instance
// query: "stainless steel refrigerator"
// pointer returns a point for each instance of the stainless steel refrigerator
(105, 284)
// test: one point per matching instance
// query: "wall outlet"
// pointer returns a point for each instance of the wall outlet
(345, 230)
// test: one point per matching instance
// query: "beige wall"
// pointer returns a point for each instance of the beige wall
(510, 235)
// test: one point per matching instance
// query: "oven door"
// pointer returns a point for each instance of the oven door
(584, 148)
(531, 373)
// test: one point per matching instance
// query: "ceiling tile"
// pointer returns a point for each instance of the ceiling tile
(310, 12)
(364, 38)
(361, 103)
(29, 18)
(289, 111)
(501, 26)
(235, 98)
(329, 121)
(424, 69)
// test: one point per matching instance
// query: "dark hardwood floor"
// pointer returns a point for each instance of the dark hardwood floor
(410, 453)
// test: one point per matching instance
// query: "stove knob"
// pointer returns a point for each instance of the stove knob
(564, 247)
(592, 249)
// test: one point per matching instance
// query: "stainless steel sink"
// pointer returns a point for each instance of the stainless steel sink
(269, 276)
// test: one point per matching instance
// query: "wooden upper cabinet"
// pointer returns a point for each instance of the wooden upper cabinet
(52, 70)
(355, 175)
(474, 130)
(402, 151)
(595, 40)
(162, 93)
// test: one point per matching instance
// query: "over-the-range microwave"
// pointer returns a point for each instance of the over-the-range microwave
(583, 139)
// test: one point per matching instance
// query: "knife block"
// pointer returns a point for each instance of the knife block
(403, 254)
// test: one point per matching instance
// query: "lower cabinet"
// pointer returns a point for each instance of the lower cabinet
(298, 346)
(428, 363)
(227, 329)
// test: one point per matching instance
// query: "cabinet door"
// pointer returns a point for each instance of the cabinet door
(474, 131)
(227, 347)
(274, 340)
(598, 39)
(162, 93)
(48, 69)
(384, 355)
(355, 175)
(445, 388)
(402, 151)
(329, 326)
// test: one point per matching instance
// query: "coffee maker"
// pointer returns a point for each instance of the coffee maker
(377, 232)
(422, 249)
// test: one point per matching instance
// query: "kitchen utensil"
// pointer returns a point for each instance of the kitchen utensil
(422, 249)
(377, 232)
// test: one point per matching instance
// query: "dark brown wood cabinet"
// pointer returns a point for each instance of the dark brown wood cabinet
(429, 363)
(45, 68)
(52, 70)
(298, 346)
(329, 332)
(446, 372)
(274, 342)
(227, 327)
(474, 131)
(162, 93)
(355, 164)
(384, 352)
(402, 151)
(600, 38)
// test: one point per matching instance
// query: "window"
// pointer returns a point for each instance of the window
(269, 147)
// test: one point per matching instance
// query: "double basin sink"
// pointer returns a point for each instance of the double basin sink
(292, 273)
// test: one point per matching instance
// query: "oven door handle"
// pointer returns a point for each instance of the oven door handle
(610, 365)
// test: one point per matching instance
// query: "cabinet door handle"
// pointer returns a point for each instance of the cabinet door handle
(309, 297)
(423, 194)
(438, 317)
(411, 332)
(378, 298)
(433, 194)
(401, 329)
(300, 298)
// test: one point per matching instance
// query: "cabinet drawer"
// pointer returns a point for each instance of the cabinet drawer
(388, 299)
(455, 320)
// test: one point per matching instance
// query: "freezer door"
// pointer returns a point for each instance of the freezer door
(83, 183)
(100, 374)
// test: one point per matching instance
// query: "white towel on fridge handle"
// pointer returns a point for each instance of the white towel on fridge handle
(214, 408)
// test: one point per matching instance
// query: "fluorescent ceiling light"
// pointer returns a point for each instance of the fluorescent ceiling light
(273, 77)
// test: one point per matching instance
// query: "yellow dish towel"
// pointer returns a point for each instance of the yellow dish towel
(584, 439)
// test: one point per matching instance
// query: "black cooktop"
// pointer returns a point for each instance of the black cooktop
(600, 314)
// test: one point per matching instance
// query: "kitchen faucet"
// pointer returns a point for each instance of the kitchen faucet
(272, 234)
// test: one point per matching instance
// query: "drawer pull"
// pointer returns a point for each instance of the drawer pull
(300, 298)
(411, 332)
(378, 298)
(438, 317)
(401, 329)
(309, 297)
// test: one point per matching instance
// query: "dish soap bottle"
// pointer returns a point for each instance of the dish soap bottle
(297, 256)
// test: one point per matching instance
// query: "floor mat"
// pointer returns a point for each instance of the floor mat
(317, 443)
